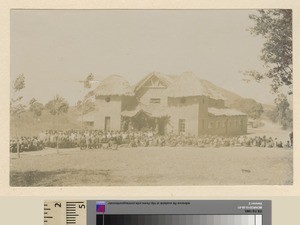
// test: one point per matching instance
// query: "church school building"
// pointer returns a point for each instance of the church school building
(165, 104)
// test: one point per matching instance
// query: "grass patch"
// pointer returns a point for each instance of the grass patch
(58, 178)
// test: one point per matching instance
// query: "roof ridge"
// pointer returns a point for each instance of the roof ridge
(114, 85)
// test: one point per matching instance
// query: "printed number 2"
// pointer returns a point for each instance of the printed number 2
(57, 205)
(82, 206)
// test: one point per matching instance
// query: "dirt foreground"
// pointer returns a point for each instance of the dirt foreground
(154, 166)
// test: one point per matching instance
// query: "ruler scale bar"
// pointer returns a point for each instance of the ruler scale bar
(65, 212)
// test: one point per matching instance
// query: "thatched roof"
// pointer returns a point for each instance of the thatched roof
(187, 85)
(225, 112)
(114, 85)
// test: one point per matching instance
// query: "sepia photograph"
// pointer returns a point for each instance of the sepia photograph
(151, 97)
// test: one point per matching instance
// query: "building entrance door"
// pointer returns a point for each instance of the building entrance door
(181, 126)
(107, 123)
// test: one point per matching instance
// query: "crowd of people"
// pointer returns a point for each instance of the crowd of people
(97, 139)
(26, 144)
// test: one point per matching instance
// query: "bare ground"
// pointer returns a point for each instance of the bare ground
(154, 166)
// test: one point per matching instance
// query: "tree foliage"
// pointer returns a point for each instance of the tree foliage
(36, 107)
(249, 106)
(16, 107)
(57, 105)
(87, 82)
(85, 106)
(19, 83)
(275, 26)
(282, 113)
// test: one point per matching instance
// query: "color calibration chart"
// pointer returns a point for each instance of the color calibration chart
(179, 219)
(197, 212)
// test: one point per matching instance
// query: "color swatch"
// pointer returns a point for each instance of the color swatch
(100, 207)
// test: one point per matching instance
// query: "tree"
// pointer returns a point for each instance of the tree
(35, 107)
(56, 107)
(282, 113)
(249, 106)
(87, 104)
(19, 83)
(275, 26)
(88, 81)
(16, 107)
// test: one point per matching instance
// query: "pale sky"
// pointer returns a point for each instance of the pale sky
(55, 49)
